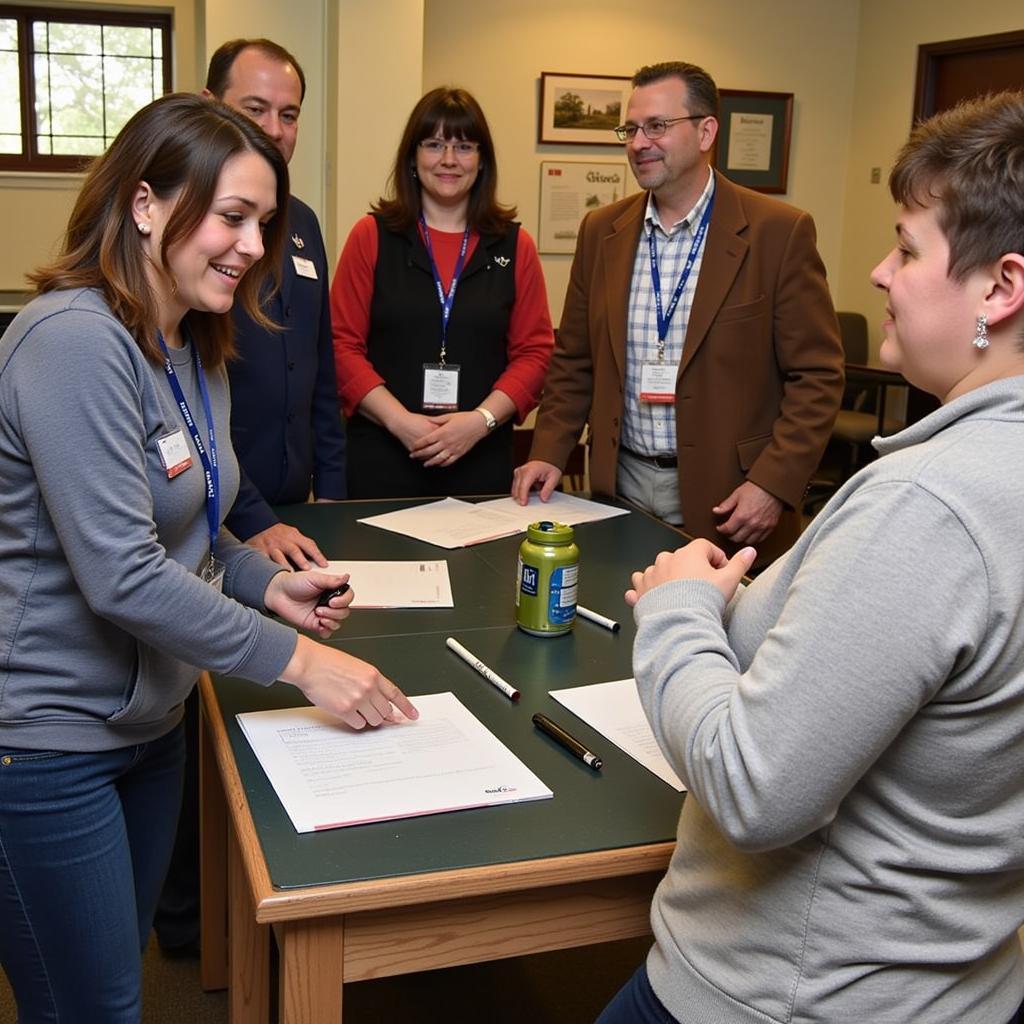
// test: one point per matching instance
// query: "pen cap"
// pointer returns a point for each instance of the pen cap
(547, 579)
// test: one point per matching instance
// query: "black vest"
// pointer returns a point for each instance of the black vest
(405, 333)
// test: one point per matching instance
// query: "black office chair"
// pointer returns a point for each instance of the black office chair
(858, 422)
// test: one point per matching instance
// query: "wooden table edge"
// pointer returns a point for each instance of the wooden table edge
(275, 905)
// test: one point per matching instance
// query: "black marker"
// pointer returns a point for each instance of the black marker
(563, 739)
(325, 595)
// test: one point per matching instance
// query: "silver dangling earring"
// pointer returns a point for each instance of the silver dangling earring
(981, 332)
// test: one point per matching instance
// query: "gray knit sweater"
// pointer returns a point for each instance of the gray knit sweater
(103, 620)
(852, 848)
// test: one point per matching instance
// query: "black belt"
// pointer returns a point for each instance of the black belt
(661, 461)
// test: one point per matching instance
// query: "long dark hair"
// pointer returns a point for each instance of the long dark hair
(457, 115)
(179, 145)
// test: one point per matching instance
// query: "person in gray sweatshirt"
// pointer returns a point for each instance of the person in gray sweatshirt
(117, 581)
(850, 725)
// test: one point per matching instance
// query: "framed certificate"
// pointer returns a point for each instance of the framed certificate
(753, 138)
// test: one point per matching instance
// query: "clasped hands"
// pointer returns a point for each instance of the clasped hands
(440, 440)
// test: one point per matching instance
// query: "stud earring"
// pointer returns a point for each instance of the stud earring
(143, 228)
(981, 332)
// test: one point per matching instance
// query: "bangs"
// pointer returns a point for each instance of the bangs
(455, 122)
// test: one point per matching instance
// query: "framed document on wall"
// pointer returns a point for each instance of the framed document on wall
(753, 138)
(569, 191)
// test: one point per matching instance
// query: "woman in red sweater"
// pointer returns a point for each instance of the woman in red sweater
(441, 327)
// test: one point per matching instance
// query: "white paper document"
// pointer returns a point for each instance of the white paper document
(328, 775)
(451, 523)
(561, 507)
(397, 584)
(614, 710)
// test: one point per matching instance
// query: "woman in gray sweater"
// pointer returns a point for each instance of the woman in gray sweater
(850, 725)
(117, 582)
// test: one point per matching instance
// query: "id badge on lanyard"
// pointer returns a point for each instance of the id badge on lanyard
(212, 569)
(658, 378)
(658, 382)
(441, 379)
(441, 386)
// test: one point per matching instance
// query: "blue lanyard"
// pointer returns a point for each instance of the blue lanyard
(209, 461)
(665, 318)
(449, 299)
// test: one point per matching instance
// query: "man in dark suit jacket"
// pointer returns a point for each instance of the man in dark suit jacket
(718, 428)
(285, 422)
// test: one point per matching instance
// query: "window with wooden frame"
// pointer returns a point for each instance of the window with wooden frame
(71, 78)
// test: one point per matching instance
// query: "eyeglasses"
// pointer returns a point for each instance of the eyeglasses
(461, 147)
(653, 129)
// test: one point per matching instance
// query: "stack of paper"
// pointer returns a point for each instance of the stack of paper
(451, 523)
(328, 775)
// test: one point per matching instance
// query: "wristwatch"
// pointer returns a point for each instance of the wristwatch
(488, 416)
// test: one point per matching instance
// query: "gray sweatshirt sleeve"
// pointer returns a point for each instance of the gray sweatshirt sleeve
(79, 403)
(864, 639)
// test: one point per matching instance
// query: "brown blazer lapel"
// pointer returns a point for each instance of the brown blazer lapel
(618, 251)
(724, 252)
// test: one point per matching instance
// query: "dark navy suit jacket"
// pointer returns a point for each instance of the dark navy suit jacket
(285, 421)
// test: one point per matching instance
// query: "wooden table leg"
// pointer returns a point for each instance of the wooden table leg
(310, 970)
(249, 943)
(213, 868)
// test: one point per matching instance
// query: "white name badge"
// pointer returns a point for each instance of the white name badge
(440, 386)
(658, 382)
(174, 454)
(304, 267)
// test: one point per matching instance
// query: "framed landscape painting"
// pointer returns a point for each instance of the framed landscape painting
(581, 110)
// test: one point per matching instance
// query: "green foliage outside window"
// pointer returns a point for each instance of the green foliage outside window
(87, 77)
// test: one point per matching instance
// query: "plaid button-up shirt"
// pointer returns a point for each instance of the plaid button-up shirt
(649, 427)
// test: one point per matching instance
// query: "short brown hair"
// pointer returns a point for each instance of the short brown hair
(218, 75)
(458, 115)
(178, 144)
(969, 163)
(700, 86)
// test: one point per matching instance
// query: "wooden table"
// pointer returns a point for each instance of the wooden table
(480, 885)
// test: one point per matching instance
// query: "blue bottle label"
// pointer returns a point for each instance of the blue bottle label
(562, 595)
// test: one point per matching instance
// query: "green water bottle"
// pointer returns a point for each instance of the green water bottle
(547, 580)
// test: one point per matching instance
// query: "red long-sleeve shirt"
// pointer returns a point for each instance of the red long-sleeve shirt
(530, 337)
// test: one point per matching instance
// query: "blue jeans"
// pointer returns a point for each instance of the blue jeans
(84, 845)
(636, 1003)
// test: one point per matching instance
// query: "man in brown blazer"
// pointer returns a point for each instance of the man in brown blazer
(713, 413)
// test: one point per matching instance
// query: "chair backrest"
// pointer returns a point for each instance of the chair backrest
(854, 330)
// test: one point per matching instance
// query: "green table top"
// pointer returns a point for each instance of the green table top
(622, 806)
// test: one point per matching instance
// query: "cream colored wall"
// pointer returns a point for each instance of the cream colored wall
(379, 78)
(301, 29)
(34, 209)
(808, 47)
(890, 34)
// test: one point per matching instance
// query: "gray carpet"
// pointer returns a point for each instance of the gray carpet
(570, 987)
